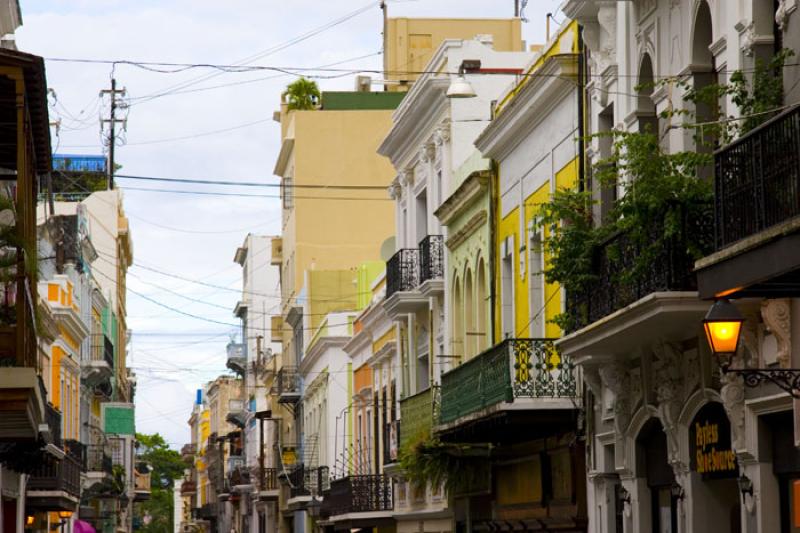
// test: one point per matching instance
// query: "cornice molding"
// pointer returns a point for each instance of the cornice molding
(533, 102)
(465, 195)
(472, 225)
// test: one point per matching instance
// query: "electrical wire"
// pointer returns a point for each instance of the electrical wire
(242, 195)
(251, 183)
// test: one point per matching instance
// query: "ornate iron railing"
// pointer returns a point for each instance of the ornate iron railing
(57, 475)
(402, 271)
(358, 494)
(52, 417)
(757, 180)
(267, 478)
(288, 384)
(623, 277)
(431, 258)
(515, 368)
(418, 414)
(303, 481)
(77, 450)
(98, 459)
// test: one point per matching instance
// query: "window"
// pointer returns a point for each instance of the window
(536, 283)
(422, 217)
(507, 286)
(287, 192)
(423, 371)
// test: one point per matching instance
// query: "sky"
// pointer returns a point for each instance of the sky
(210, 125)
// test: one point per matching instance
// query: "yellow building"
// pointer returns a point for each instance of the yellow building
(410, 42)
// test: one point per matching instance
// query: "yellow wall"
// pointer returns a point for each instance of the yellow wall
(565, 178)
(410, 42)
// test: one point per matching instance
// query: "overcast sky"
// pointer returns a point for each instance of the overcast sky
(178, 136)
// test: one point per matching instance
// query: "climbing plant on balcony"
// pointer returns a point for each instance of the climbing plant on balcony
(665, 211)
(449, 465)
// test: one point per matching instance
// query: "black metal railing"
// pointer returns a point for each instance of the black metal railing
(57, 475)
(208, 511)
(288, 384)
(431, 258)
(358, 494)
(622, 276)
(108, 351)
(267, 478)
(402, 271)
(52, 417)
(303, 481)
(757, 180)
(77, 450)
(98, 459)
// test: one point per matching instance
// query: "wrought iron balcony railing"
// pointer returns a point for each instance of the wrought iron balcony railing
(288, 384)
(757, 179)
(303, 481)
(515, 368)
(402, 271)
(358, 494)
(418, 414)
(52, 417)
(622, 279)
(431, 258)
(57, 475)
(267, 478)
(98, 459)
(77, 450)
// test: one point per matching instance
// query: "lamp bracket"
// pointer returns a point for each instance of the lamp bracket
(788, 379)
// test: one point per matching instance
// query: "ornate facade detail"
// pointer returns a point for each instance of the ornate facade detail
(395, 190)
(606, 52)
(591, 375)
(616, 378)
(749, 39)
(407, 177)
(776, 314)
(785, 7)
(671, 391)
(443, 133)
(732, 394)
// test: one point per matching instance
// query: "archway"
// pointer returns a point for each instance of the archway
(704, 75)
(458, 321)
(645, 107)
(652, 464)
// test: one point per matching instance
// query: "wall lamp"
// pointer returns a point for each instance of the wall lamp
(676, 490)
(745, 485)
(723, 327)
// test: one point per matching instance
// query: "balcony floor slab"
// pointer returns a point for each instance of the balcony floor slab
(404, 302)
(660, 315)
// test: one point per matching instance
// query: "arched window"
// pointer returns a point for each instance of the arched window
(645, 107)
(482, 333)
(458, 322)
(469, 314)
(703, 75)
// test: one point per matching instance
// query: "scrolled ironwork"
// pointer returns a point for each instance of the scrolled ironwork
(787, 379)
(402, 271)
(431, 258)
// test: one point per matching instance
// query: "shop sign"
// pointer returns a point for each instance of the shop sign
(710, 443)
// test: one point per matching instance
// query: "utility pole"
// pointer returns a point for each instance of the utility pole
(516, 8)
(112, 131)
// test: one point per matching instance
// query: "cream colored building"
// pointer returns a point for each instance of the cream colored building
(411, 42)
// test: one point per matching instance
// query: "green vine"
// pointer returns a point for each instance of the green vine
(663, 200)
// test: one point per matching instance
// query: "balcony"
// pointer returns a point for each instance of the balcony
(418, 413)
(517, 375)
(237, 360)
(303, 481)
(619, 285)
(101, 365)
(236, 413)
(431, 265)
(402, 280)
(359, 494)
(141, 483)
(188, 488)
(288, 385)
(756, 214)
(98, 461)
(266, 483)
(55, 484)
(208, 511)
(188, 452)
(239, 477)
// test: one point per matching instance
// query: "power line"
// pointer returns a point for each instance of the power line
(242, 195)
(252, 183)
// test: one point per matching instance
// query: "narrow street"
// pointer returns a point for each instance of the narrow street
(399, 266)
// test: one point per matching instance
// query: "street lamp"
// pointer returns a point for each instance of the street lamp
(723, 326)
(460, 87)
